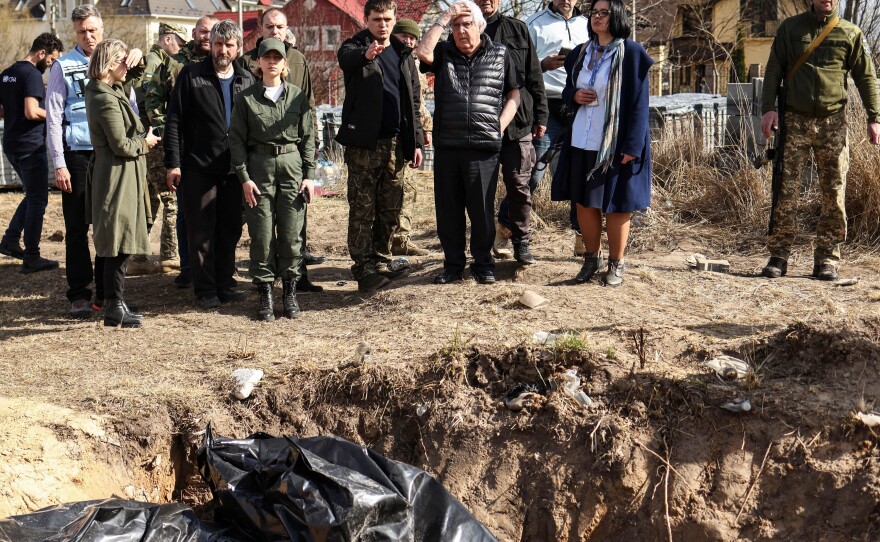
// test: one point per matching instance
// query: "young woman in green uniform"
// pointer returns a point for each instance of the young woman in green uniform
(273, 153)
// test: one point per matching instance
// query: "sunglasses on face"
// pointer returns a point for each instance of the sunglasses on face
(599, 14)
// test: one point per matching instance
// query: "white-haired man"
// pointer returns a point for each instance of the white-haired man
(477, 90)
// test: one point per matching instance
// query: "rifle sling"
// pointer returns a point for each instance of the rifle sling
(812, 47)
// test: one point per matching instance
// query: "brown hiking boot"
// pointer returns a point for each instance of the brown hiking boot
(372, 281)
(405, 247)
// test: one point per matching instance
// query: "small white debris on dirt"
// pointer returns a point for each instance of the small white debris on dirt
(245, 380)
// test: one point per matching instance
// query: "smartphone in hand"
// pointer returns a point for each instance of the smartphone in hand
(564, 51)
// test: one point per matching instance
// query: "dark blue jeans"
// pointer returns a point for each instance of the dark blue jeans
(33, 170)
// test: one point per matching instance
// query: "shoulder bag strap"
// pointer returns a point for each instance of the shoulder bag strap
(812, 47)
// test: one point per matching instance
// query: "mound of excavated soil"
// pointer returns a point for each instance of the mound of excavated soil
(88, 412)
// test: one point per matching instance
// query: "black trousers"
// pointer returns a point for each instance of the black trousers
(78, 259)
(212, 208)
(465, 181)
(114, 276)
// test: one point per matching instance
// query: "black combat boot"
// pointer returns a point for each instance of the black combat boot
(267, 305)
(288, 297)
(593, 261)
(116, 314)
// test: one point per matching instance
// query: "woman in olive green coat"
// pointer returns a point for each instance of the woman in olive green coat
(116, 195)
(273, 152)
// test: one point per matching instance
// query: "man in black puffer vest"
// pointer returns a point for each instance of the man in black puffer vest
(477, 90)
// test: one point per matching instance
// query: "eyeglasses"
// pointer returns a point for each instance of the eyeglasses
(600, 14)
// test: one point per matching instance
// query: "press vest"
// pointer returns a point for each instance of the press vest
(74, 66)
(470, 99)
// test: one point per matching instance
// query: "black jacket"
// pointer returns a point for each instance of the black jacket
(195, 128)
(514, 34)
(362, 108)
(469, 96)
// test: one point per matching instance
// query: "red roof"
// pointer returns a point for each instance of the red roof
(250, 19)
(415, 9)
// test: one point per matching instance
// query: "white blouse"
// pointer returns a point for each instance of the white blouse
(589, 122)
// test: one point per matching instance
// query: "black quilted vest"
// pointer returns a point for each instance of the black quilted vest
(469, 93)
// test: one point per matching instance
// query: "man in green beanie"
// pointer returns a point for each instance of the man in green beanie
(407, 31)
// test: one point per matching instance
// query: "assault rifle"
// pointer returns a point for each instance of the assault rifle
(775, 154)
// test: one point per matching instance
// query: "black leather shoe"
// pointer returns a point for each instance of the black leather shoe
(775, 268)
(12, 250)
(228, 295)
(825, 271)
(484, 277)
(311, 259)
(593, 261)
(447, 277)
(305, 286)
(37, 264)
(184, 279)
(208, 302)
(288, 297)
(131, 309)
(266, 312)
(116, 314)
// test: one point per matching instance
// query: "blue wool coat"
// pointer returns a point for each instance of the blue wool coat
(627, 187)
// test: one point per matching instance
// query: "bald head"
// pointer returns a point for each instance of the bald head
(202, 34)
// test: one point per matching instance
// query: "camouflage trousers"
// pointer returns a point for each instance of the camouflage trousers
(159, 194)
(404, 222)
(827, 140)
(375, 197)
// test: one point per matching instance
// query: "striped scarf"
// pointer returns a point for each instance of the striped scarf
(612, 108)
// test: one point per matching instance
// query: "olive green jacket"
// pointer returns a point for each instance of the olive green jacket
(116, 191)
(157, 88)
(258, 121)
(818, 88)
(155, 58)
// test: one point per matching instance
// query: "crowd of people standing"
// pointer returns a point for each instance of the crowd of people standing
(219, 137)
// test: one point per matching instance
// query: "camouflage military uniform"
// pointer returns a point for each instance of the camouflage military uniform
(158, 188)
(827, 139)
(410, 194)
(815, 122)
(375, 196)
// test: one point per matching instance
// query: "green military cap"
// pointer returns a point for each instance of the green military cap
(272, 44)
(176, 29)
(407, 26)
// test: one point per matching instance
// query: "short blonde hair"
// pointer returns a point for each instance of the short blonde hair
(103, 56)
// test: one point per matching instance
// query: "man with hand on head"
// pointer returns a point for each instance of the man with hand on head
(381, 131)
(517, 151)
(477, 89)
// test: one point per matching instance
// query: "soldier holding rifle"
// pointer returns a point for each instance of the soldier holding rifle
(810, 59)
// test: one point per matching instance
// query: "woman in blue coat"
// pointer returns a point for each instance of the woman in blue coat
(605, 167)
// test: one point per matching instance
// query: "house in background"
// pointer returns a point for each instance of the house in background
(320, 27)
(136, 22)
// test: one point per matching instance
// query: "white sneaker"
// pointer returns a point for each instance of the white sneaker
(501, 248)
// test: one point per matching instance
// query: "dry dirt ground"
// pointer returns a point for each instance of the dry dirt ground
(88, 412)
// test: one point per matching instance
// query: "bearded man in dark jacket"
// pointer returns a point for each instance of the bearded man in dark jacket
(477, 90)
(381, 131)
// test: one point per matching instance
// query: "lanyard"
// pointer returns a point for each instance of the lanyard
(595, 69)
